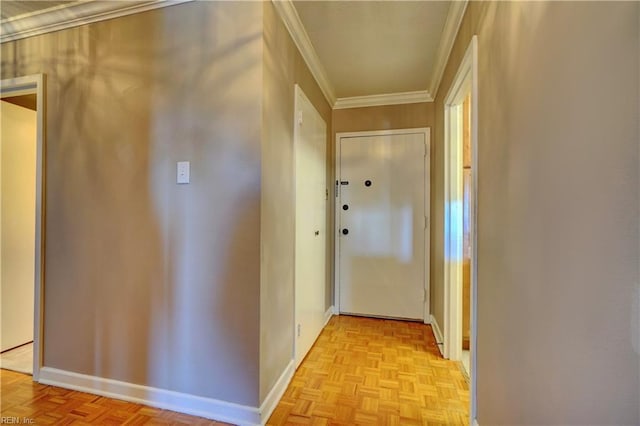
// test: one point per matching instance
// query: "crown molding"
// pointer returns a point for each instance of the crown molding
(384, 99)
(449, 33)
(73, 15)
(287, 12)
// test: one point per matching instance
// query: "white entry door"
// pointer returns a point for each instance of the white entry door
(382, 224)
(310, 139)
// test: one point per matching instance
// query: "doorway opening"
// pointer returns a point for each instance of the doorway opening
(21, 222)
(460, 193)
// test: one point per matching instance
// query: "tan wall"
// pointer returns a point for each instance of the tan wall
(404, 116)
(17, 223)
(147, 281)
(558, 311)
(283, 67)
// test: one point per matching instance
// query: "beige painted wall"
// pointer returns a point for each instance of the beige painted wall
(283, 67)
(18, 223)
(404, 116)
(147, 281)
(558, 310)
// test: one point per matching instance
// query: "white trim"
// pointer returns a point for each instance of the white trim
(327, 315)
(453, 238)
(427, 228)
(161, 398)
(383, 99)
(339, 135)
(336, 224)
(437, 334)
(271, 401)
(73, 15)
(474, 228)
(449, 33)
(464, 82)
(475, 422)
(287, 12)
(436, 330)
(35, 84)
(426, 131)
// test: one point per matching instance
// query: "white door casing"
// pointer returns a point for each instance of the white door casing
(382, 223)
(310, 133)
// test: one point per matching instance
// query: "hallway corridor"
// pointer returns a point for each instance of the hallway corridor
(365, 371)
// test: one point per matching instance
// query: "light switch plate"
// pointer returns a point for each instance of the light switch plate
(183, 172)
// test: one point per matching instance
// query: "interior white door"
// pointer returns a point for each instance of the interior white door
(382, 225)
(310, 180)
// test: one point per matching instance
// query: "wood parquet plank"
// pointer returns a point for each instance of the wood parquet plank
(365, 371)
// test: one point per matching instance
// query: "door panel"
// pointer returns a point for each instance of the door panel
(310, 244)
(382, 207)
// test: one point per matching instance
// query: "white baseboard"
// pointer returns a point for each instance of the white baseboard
(330, 312)
(438, 334)
(475, 422)
(271, 401)
(161, 398)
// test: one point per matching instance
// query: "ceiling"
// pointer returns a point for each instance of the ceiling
(26, 101)
(361, 52)
(375, 47)
(11, 9)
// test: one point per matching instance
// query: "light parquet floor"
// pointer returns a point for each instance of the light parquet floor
(365, 371)
(361, 371)
(49, 405)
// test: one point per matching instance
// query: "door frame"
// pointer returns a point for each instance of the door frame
(426, 131)
(465, 82)
(35, 84)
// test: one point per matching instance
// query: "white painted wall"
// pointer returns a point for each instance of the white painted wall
(17, 217)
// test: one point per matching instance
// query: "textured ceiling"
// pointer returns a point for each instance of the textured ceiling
(375, 47)
(9, 9)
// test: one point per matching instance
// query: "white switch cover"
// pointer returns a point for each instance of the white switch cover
(183, 172)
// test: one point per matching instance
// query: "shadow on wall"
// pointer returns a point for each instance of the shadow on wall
(147, 281)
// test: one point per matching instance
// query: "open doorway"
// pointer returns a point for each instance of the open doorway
(21, 242)
(467, 201)
(461, 177)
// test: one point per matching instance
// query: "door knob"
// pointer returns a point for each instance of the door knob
(345, 231)
(345, 207)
